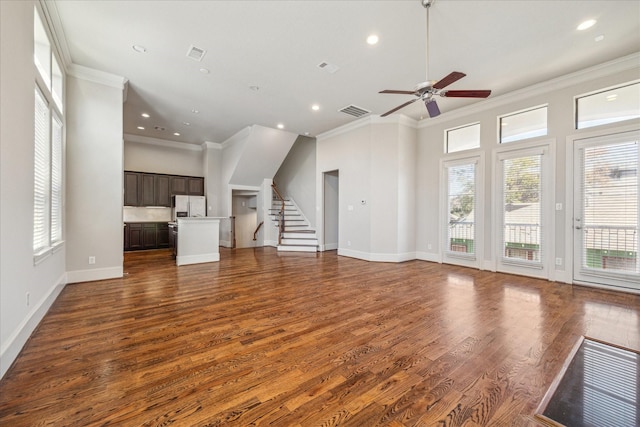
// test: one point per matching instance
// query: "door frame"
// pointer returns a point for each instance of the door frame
(570, 199)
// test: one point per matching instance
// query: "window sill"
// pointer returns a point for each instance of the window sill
(44, 253)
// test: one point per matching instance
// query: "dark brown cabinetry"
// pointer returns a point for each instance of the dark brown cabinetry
(149, 189)
(132, 189)
(146, 235)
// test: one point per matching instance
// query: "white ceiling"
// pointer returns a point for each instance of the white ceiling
(277, 45)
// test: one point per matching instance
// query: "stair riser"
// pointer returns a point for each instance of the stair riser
(297, 248)
(299, 242)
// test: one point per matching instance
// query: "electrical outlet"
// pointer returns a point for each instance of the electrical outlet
(28, 299)
(348, 242)
(92, 260)
(429, 246)
(558, 261)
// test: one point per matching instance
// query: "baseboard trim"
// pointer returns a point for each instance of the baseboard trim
(377, 257)
(329, 247)
(273, 243)
(428, 256)
(18, 339)
(197, 259)
(94, 274)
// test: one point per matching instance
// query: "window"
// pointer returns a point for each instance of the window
(48, 146)
(463, 138)
(522, 209)
(608, 106)
(461, 202)
(523, 125)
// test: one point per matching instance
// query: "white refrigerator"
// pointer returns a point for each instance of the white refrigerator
(188, 206)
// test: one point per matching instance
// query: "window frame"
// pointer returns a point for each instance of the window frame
(446, 137)
(602, 91)
(55, 107)
(515, 113)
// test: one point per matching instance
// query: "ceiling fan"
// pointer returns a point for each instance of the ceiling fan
(425, 91)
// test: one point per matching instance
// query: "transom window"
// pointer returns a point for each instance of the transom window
(463, 138)
(608, 106)
(523, 125)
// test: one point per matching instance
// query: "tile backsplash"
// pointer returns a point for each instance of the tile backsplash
(139, 214)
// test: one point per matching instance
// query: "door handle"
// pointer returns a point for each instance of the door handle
(578, 227)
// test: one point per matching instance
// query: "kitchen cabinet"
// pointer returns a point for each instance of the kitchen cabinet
(146, 235)
(148, 190)
(179, 184)
(132, 188)
(136, 242)
(196, 186)
(152, 189)
(149, 236)
(162, 235)
(162, 190)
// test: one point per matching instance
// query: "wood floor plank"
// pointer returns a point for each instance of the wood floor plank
(265, 339)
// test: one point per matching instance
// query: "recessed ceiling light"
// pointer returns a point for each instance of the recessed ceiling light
(145, 115)
(141, 127)
(599, 38)
(176, 133)
(280, 126)
(186, 123)
(306, 134)
(315, 107)
(139, 49)
(194, 111)
(612, 97)
(586, 24)
(204, 70)
(372, 39)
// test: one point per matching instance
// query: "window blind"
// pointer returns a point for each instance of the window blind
(522, 209)
(41, 175)
(610, 207)
(461, 205)
(56, 180)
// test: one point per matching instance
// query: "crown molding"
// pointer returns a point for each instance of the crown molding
(208, 145)
(161, 142)
(398, 119)
(238, 136)
(605, 69)
(97, 76)
(56, 31)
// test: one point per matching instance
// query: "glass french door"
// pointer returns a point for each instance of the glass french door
(606, 220)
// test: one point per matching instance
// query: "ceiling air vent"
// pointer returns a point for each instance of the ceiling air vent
(329, 68)
(196, 53)
(355, 111)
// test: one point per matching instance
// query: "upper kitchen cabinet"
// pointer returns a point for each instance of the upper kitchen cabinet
(179, 185)
(196, 186)
(132, 188)
(187, 185)
(162, 190)
(149, 189)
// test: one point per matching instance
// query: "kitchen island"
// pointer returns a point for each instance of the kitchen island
(198, 240)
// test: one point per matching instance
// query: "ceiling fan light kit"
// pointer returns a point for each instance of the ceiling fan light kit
(426, 90)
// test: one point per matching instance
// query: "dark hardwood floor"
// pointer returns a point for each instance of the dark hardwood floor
(266, 339)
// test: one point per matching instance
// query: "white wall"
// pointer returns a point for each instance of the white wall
(376, 161)
(246, 221)
(163, 157)
(212, 168)
(18, 275)
(559, 95)
(94, 180)
(297, 174)
(331, 210)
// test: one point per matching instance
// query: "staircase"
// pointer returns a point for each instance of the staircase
(298, 235)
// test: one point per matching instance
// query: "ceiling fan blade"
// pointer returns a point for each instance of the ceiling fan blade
(446, 81)
(466, 93)
(432, 108)
(399, 92)
(399, 107)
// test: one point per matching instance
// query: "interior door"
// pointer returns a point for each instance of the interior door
(606, 219)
